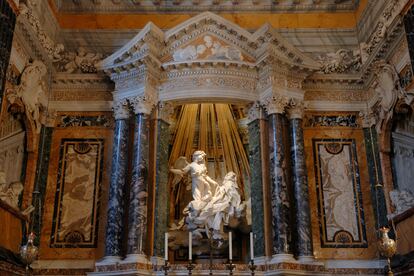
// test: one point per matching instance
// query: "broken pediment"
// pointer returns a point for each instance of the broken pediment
(207, 37)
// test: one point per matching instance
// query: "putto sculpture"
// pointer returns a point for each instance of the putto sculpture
(213, 205)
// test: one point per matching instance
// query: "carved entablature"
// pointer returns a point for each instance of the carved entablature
(208, 58)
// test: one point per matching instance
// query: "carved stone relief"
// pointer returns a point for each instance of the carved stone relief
(30, 94)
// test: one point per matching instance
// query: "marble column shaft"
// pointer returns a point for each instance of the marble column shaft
(279, 175)
(303, 233)
(114, 227)
(375, 176)
(137, 220)
(162, 196)
(257, 193)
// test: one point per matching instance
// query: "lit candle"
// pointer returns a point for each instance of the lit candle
(166, 246)
(251, 246)
(190, 245)
(230, 247)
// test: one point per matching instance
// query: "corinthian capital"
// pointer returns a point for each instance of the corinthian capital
(165, 111)
(121, 109)
(275, 104)
(254, 112)
(295, 109)
(142, 104)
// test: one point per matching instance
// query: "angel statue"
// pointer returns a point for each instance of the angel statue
(214, 204)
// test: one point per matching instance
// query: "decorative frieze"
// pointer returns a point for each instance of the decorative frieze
(68, 120)
(336, 96)
(332, 120)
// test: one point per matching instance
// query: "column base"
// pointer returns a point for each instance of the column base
(108, 260)
(306, 259)
(136, 258)
(282, 258)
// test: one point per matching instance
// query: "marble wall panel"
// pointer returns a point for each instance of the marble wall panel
(78, 187)
(340, 207)
(67, 209)
(356, 157)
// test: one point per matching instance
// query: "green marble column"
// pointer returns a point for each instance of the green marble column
(256, 184)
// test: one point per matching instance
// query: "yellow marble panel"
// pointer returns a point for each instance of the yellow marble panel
(47, 252)
(340, 253)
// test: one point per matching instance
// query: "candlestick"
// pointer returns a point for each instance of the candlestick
(190, 267)
(190, 246)
(230, 246)
(166, 247)
(231, 266)
(251, 246)
(252, 267)
(166, 267)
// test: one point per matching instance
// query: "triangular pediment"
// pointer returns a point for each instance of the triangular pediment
(208, 37)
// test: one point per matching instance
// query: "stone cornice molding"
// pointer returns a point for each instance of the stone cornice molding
(121, 109)
(146, 43)
(275, 104)
(391, 11)
(35, 35)
(119, 6)
(95, 82)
